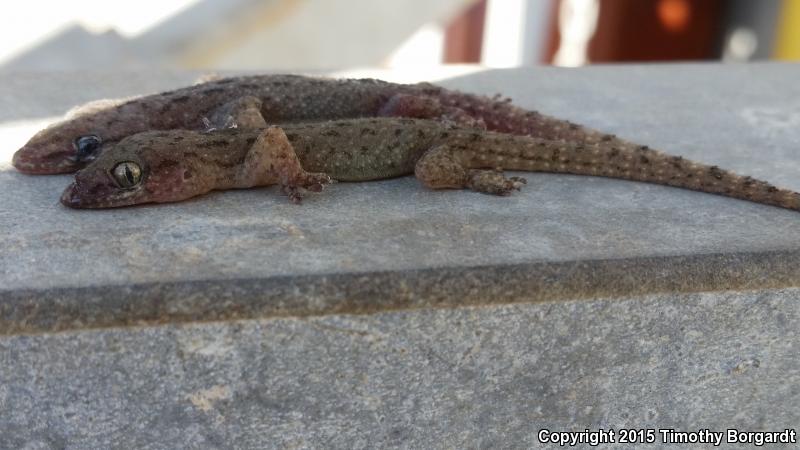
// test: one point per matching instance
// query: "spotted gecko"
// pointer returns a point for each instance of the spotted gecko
(169, 166)
(257, 101)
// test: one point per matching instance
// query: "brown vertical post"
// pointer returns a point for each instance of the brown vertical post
(464, 35)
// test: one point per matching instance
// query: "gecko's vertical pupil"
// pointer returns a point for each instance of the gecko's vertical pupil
(127, 174)
(85, 146)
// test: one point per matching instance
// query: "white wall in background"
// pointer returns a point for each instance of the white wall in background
(330, 34)
(515, 32)
(26, 23)
(222, 34)
(577, 22)
(424, 48)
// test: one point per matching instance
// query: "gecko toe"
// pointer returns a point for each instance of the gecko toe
(308, 182)
(294, 193)
(315, 182)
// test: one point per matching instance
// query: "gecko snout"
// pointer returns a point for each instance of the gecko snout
(71, 197)
(31, 163)
(84, 195)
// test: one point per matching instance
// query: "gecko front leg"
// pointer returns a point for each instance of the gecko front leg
(243, 112)
(442, 168)
(272, 160)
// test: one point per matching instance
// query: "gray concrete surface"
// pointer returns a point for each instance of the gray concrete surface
(488, 377)
(458, 366)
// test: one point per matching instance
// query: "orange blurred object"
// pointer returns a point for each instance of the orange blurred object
(674, 14)
(651, 30)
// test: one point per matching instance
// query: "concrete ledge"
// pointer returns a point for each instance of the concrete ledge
(51, 310)
(385, 315)
(488, 377)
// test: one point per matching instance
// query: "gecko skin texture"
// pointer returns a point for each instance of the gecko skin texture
(254, 102)
(168, 166)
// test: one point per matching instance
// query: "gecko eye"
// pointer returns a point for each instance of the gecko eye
(86, 145)
(127, 174)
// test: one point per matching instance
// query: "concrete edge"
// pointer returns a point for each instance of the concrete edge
(51, 310)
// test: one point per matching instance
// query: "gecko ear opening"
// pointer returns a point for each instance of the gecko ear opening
(127, 174)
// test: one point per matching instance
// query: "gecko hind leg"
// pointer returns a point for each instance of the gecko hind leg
(243, 112)
(440, 168)
(426, 107)
(272, 160)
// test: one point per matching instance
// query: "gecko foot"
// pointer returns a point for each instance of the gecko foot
(306, 182)
(210, 127)
(493, 182)
(243, 112)
(294, 193)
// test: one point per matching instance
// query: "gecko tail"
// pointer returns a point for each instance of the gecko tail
(615, 158)
(566, 147)
(641, 163)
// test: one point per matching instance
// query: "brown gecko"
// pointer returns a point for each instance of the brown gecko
(257, 101)
(168, 166)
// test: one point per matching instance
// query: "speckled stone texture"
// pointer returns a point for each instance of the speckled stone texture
(486, 377)
(383, 314)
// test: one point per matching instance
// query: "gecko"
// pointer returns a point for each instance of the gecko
(174, 165)
(256, 101)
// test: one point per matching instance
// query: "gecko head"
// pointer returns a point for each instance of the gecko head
(74, 142)
(60, 148)
(136, 170)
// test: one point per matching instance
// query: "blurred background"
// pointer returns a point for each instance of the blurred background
(335, 34)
